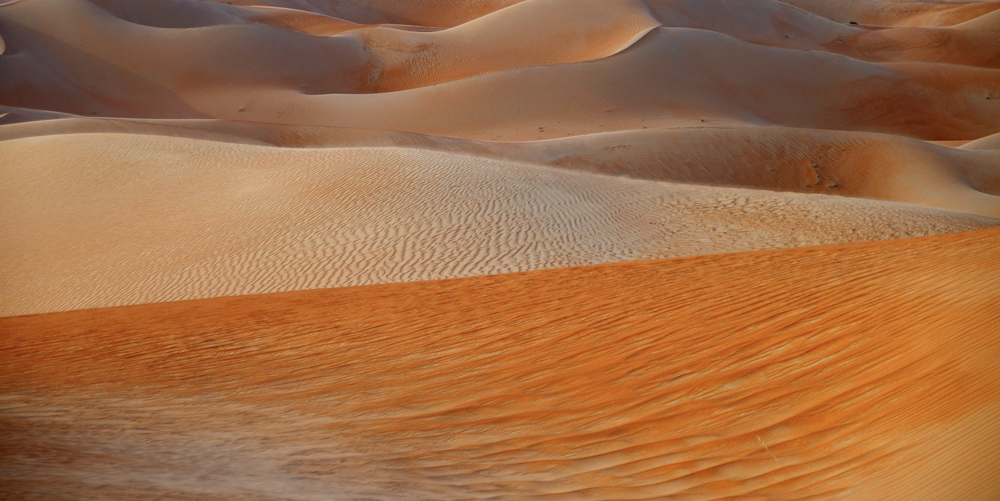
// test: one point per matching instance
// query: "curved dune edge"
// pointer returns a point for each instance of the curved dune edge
(476, 158)
(513, 71)
(431, 13)
(991, 142)
(156, 218)
(901, 13)
(756, 375)
(89, 43)
(864, 165)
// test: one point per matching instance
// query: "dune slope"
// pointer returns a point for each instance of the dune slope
(511, 72)
(862, 371)
(163, 151)
(874, 166)
(96, 220)
(561, 250)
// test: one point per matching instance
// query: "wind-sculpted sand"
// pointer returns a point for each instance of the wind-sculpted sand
(508, 249)
(861, 371)
(151, 218)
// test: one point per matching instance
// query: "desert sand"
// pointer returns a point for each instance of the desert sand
(839, 372)
(175, 218)
(504, 249)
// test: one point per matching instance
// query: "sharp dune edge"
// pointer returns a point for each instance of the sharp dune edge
(499, 249)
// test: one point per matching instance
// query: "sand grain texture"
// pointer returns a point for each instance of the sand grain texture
(155, 218)
(862, 371)
(499, 249)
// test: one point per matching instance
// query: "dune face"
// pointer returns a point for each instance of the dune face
(251, 71)
(826, 373)
(898, 13)
(248, 219)
(499, 249)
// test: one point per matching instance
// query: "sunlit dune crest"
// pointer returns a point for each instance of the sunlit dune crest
(499, 249)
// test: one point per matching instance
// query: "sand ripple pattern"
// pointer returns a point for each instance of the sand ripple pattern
(863, 371)
(142, 219)
(193, 149)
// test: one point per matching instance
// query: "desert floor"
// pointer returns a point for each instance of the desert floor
(499, 249)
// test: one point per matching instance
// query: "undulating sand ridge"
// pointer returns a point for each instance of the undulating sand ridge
(254, 72)
(499, 249)
(897, 12)
(238, 56)
(775, 23)
(422, 13)
(975, 43)
(991, 142)
(860, 371)
(467, 108)
(875, 166)
(723, 79)
(96, 220)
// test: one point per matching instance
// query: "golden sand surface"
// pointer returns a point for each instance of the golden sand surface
(499, 249)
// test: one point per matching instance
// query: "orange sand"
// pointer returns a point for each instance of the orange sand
(861, 371)
(206, 151)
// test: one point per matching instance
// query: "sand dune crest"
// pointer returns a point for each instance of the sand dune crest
(173, 218)
(897, 13)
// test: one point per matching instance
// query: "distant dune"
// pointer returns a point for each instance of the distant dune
(504, 249)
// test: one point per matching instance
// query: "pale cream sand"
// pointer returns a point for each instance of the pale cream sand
(96, 220)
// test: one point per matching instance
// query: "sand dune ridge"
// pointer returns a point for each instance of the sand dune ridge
(499, 249)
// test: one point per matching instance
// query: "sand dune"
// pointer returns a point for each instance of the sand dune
(251, 72)
(991, 142)
(975, 43)
(436, 13)
(527, 34)
(499, 249)
(757, 376)
(143, 219)
(237, 56)
(765, 22)
(809, 161)
(533, 33)
(198, 13)
(896, 12)
(873, 166)
(724, 79)
(105, 68)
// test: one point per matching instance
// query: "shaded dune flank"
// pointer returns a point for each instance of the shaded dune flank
(252, 71)
(836, 372)
(898, 13)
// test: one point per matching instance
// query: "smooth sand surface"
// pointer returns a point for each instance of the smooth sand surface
(618, 71)
(861, 371)
(512, 249)
(898, 12)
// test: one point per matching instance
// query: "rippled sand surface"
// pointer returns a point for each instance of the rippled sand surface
(859, 371)
(499, 249)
